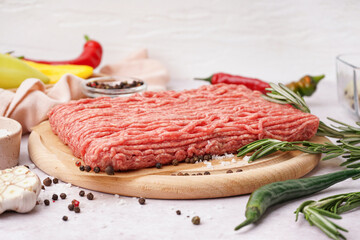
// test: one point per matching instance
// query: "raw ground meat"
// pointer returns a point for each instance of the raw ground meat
(141, 130)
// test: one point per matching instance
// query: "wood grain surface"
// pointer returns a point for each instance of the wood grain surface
(56, 159)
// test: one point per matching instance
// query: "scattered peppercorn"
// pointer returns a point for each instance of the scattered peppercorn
(76, 209)
(96, 169)
(78, 163)
(199, 173)
(239, 170)
(82, 168)
(192, 160)
(90, 196)
(187, 160)
(65, 218)
(229, 171)
(175, 162)
(47, 181)
(180, 174)
(82, 193)
(71, 207)
(109, 170)
(55, 181)
(87, 168)
(195, 220)
(206, 157)
(206, 173)
(178, 212)
(62, 195)
(46, 202)
(142, 201)
(42, 187)
(186, 174)
(55, 197)
(158, 165)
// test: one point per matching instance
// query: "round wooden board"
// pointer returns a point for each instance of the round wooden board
(56, 159)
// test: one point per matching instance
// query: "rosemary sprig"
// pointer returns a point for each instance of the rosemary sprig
(348, 136)
(283, 95)
(318, 212)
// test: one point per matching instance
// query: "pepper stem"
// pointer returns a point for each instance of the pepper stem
(317, 79)
(86, 37)
(205, 79)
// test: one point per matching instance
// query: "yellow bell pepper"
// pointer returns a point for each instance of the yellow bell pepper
(14, 71)
(55, 72)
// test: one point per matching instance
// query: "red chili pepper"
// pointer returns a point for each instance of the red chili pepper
(91, 55)
(252, 83)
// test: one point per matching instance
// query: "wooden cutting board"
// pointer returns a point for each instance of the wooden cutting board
(56, 159)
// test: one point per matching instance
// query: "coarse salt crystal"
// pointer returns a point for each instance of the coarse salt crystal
(117, 195)
(233, 160)
(246, 158)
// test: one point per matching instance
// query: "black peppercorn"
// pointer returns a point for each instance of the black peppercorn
(62, 195)
(206, 173)
(180, 174)
(175, 162)
(42, 187)
(55, 197)
(71, 207)
(96, 169)
(76, 209)
(158, 165)
(142, 201)
(90, 196)
(82, 168)
(47, 181)
(178, 212)
(239, 170)
(55, 181)
(82, 193)
(229, 171)
(87, 168)
(199, 173)
(195, 220)
(109, 170)
(46, 202)
(65, 218)
(186, 174)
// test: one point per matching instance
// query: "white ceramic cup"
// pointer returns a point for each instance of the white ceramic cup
(10, 139)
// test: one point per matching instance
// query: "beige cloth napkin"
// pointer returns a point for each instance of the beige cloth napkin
(31, 102)
(152, 71)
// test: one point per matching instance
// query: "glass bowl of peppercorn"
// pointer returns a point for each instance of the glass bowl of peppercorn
(348, 82)
(113, 86)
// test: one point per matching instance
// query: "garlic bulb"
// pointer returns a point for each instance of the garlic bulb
(19, 189)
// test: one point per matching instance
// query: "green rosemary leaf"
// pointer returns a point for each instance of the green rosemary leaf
(328, 213)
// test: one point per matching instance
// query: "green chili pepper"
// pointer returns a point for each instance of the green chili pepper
(306, 86)
(278, 192)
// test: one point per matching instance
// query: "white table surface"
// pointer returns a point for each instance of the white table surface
(108, 216)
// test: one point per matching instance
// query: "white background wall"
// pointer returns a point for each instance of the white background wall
(271, 40)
